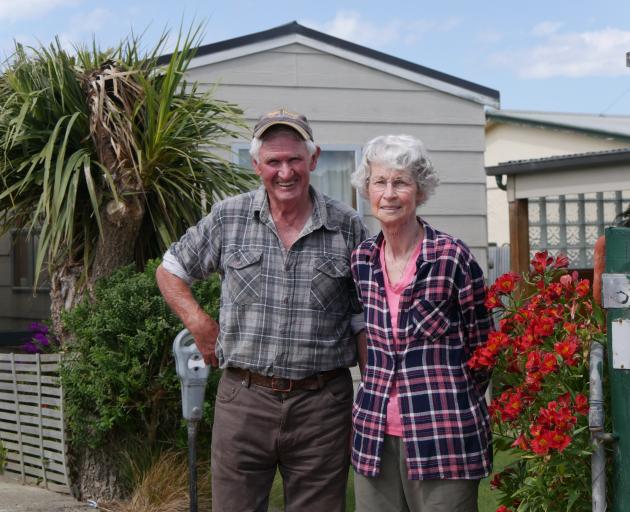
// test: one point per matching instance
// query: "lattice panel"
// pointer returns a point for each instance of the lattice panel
(571, 224)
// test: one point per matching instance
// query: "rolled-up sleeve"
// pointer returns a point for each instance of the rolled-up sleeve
(196, 254)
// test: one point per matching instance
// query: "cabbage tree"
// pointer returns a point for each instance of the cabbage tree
(109, 156)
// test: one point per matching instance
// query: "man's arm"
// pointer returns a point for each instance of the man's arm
(179, 297)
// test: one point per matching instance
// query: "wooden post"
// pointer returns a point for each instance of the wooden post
(519, 235)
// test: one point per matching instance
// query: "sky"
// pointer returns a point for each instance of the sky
(543, 55)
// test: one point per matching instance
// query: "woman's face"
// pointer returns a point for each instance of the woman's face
(393, 195)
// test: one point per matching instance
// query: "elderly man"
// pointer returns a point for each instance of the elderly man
(285, 334)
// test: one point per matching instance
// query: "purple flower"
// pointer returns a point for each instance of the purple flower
(41, 339)
(38, 327)
(30, 347)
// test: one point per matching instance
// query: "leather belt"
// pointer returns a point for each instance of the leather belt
(312, 382)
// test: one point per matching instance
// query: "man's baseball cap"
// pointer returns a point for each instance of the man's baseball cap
(292, 119)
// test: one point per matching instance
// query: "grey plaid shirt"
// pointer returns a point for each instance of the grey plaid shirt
(283, 313)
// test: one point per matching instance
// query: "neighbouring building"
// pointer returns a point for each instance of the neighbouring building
(555, 181)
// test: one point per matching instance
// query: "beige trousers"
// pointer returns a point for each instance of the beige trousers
(392, 491)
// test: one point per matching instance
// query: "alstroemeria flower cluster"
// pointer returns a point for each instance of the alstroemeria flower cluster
(545, 322)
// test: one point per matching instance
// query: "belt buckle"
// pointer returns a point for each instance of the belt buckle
(280, 380)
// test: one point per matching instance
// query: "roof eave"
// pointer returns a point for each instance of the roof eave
(560, 164)
(296, 33)
(515, 119)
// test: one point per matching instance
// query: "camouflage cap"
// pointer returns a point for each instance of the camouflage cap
(296, 121)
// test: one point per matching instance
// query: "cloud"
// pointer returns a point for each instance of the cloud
(14, 10)
(545, 28)
(488, 36)
(85, 25)
(576, 54)
(351, 26)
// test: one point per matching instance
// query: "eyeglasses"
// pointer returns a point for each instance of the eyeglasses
(398, 184)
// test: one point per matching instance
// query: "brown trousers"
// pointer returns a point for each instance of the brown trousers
(304, 434)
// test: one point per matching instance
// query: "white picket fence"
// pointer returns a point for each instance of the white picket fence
(31, 420)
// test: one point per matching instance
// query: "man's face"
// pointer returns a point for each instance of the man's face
(284, 167)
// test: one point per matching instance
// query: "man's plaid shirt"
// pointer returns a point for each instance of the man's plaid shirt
(442, 319)
(283, 313)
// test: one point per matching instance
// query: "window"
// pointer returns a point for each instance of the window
(332, 175)
(23, 250)
(570, 224)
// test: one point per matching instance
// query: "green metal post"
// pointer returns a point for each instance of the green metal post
(618, 318)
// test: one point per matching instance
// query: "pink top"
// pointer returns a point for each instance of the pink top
(394, 427)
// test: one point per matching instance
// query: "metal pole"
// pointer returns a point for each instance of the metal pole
(618, 322)
(192, 464)
(596, 426)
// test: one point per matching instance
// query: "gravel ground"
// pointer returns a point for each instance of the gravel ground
(15, 497)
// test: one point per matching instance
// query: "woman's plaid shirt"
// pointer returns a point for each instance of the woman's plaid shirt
(442, 319)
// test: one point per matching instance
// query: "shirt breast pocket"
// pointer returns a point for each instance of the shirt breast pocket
(329, 284)
(243, 277)
(429, 319)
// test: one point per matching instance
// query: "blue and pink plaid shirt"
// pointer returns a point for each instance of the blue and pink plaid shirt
(441, 320)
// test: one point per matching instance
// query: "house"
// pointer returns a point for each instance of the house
(560, 179)
(350, 94)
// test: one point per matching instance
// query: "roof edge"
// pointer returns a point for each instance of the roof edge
(295, 28)
(550, 124)
(561, 163)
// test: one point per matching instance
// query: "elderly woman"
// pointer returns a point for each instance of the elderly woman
(421, 438)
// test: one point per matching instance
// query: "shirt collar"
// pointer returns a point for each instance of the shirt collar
(428, 252)
(319, 217)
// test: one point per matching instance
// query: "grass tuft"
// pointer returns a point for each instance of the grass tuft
(164, 488)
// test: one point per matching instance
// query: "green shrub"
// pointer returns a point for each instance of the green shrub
(119, 375)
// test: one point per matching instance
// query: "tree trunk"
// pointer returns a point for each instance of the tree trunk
(121, 225)
(95, 473)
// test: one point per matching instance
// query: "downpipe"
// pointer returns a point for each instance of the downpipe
(596, 417)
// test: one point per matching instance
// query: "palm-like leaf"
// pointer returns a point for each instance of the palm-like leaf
(84, 133)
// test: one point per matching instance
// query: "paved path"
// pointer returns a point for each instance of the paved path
(15, 497)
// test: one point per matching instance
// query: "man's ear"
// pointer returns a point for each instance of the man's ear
(314, 158)
(255, 167)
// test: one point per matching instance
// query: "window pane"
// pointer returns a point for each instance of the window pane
(21, 260)
(332, 175)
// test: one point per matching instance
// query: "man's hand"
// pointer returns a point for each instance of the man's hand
(205, 332)
(178, 296)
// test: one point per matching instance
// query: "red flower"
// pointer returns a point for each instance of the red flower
(570, 327)
(521, 442)
(540, 261)
(558, 440)
(503, 508)
(581, 404)
(566, 349)
(544, 326)
(541, 444)
(566, 281)
(561, 261)
(507, 282)
(549, 364)
(554, 291)
(492, 299)
(582, 288)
